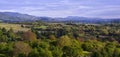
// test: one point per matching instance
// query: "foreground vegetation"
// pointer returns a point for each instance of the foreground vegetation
(61, 40)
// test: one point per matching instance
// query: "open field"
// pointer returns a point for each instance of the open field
(15, 27)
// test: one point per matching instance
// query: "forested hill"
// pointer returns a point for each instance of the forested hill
(18, 17)
(15, 17)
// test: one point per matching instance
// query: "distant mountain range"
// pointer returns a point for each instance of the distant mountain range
(15, 17)
(18, 17)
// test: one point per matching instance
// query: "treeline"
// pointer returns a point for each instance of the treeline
(61, 40)
(104, 32)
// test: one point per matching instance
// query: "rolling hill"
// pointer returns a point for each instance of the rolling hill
(18, 17)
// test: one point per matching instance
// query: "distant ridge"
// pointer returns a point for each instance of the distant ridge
(18, 17)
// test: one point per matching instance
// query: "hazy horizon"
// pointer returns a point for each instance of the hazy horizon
(63, 8)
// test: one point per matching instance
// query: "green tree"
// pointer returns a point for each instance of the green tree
(64, 41)
(52, 37)
(45, 52)
(34, 53)
(11, 35)
(3, 38)
(57, 52)
(4, 30)
(6, 49)
(92, 45)
(96, 54)
(72, 52)
(116, 52)
(110, 47)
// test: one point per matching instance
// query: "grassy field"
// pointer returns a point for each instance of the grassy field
(43, 27)
(15, 27)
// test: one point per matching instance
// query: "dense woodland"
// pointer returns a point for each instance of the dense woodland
(61, 40)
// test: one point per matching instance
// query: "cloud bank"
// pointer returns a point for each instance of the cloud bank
(63, 8)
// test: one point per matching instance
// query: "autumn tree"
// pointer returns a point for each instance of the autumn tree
(29, 36)
(21, 48)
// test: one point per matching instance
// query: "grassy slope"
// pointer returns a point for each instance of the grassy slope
(15, 27)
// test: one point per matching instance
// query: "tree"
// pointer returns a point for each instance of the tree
(21, 55)
(52, 37)
(57, 52)
(11, 35)
(29, 36)
(21, 48)
(96, 54)
(34, 53)
(110, 47)
(4, 30)
(104, 32)
(64, 41)
(2, 55)
(116, 52)
(72, 52)
(104, 53)
(92, 45)
(22, 26)
(3, 38)
(45, 53)
(6, 49)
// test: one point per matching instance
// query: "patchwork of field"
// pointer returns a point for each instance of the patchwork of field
(15, 27)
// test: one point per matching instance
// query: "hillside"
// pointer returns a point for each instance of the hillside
(18, 17)
(15, 17)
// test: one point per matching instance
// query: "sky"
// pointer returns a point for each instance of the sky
(63, 8)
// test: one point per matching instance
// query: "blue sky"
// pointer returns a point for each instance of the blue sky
(63, 8)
